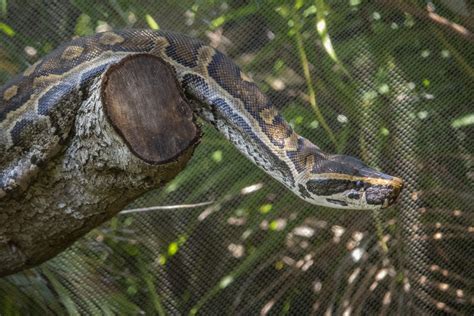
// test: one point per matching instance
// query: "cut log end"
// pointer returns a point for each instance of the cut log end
(144, 102)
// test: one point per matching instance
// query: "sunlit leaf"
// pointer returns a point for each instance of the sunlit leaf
(173, 186)
(279, 265)
(173, 248)
(226, 281)
(314, 124)
(309, 11)
(233, 15)
(273, 225)
(321, 27)
(265, 208)
(218, 21)
(384, 131)
(217, 156)
(299, 4)
(283, 10)
(84, 26)
(151, 22)
(463, 121)
(383, 88)
(299, 119)
(278, 65)
(162, 260)
(7, 29)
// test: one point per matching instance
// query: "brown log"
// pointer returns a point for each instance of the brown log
(135, 107)
(133, 133)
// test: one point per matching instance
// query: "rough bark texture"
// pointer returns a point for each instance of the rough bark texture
(108, 161)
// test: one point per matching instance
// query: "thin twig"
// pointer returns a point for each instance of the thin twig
(165, 207)
(463, 64)
(430, 15)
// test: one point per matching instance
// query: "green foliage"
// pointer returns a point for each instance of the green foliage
(351, 75)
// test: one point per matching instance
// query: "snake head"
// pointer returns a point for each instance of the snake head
(340, 181)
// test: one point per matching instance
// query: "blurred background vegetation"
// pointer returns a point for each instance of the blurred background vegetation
(389, 81)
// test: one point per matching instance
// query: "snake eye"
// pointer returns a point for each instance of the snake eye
(359, 184)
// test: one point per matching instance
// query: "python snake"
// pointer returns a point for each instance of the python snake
(38, 107)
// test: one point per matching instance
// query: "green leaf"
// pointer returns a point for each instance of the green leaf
(173, 248)
(217, 156)
(173, 186)
(84, 26)
(151, 22)
(463, 121)
(132, 250)
(309, 11)
(162, 260)
(233, 15)
(265, 208)
(321, 27)
(314, 124)
(299, 119)
(7, 29)
(128, 221)
(383, 88)
(150, 281)
(132, 290)
(218, 21)
(273, 225)
(3, 7)
(283, 10)
(64, 296)
(226, 281)
(299, 4)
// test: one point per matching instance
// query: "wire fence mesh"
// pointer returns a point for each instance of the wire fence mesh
(394, 80)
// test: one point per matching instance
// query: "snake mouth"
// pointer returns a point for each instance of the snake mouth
(397, 188)
(384, 195)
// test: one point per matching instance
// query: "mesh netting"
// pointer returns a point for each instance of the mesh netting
(394, 81)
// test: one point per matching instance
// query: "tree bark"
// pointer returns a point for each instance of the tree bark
(133, 132)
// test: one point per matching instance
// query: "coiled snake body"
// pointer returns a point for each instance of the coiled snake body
(37, 109)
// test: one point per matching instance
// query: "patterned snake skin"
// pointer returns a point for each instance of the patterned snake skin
(38, 108)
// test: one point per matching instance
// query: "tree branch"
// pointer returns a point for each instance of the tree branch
(132, 133)
(431, 16)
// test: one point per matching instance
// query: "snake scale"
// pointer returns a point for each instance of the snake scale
(38, 108)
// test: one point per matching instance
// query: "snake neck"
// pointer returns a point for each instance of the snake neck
(238, 109)
(258, 132)
(263, 155)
